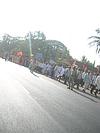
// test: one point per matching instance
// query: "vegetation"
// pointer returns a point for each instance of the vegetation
(41, 48)
(96, 40)
(85, 61)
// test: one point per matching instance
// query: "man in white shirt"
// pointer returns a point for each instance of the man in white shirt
(98, 84)
(93, 84)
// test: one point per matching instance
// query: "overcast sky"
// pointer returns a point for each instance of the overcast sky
(68, 21)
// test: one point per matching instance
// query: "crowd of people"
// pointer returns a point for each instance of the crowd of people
(73, 77)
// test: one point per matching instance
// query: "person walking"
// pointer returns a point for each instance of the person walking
(93, 84)
(97, 84)
(86, 81)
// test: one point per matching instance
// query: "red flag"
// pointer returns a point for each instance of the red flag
(19, 53)
(85, 67)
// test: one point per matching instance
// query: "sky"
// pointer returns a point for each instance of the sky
(68, 21)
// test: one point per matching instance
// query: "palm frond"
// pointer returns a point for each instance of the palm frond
(98, 48)
(95, 42)
(98, 30)
(94, 37)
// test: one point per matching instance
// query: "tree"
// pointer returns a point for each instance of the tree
(37, 41)
(6, 42)
(86, 62)
(96, 40)
(48, 49)
(55, 50)
(84, 59)
(39, 35)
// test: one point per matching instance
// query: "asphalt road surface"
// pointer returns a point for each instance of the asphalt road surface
(32, 103)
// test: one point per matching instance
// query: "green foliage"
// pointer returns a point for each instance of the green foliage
(90, 65)
(84, 59)
(50, 49)
(39, 35)
(96, 41)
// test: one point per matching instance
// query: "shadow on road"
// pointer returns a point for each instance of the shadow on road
(79, 93)
(35, 74)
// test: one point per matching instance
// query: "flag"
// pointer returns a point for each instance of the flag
(19, 53)
(85, 67)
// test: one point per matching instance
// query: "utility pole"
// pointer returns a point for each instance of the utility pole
(30, 45)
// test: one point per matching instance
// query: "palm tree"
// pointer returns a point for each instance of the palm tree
(96, 41)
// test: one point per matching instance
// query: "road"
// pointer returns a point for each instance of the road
(33, 103)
